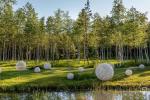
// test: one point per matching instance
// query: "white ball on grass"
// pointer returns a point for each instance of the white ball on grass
(0, 70)
(37, 70)
(47, 66)
(70, 76)
(141, 66)
(104, 72)
(21, 65)
(128, 72)
(81, 69)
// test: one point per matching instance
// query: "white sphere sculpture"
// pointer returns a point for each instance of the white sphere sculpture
(81, 69)
(70, 76)
(21, 65)
(128, 72)
(141, 66)
(47, 66)
(0, 70)
(104, 72)
(37, 70)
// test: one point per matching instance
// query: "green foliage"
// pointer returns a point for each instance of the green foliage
(122, 35)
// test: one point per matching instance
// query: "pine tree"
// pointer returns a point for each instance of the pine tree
(118, 18)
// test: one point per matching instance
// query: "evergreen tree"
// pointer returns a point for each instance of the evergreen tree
(118, 19)
(31, 28)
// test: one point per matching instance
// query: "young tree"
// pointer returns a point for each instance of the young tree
(20, 25)
(118, 19)
(135, 30)
(50, 29)
(78, 32)
(95, 37)
(8, 32)
(31, 28)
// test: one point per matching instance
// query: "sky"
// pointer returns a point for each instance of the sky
(46, 8)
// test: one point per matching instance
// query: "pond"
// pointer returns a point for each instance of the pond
(88, 95)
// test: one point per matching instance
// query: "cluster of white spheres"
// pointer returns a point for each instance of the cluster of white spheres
(47, 66)
(37, 70)
(70, 76)
(128, 72)
(21, 65)
(141, 66)
(81, 69)
(104, 71)
(0, 70)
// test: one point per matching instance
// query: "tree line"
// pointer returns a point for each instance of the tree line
(122, 35)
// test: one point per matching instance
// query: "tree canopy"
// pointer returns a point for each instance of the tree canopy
(122, 35)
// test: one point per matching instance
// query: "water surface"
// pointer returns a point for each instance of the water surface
(86, 95)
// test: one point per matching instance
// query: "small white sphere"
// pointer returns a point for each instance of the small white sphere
(47, 66)
(70, 76)
(141, 66)
(0, 70)
(21, 65)
(37, 70)
(81, 69)
(128, 72)
(104, 72)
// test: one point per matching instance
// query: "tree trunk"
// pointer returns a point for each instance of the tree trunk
(4, 50)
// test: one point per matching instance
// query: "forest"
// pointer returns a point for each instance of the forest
(123, 34)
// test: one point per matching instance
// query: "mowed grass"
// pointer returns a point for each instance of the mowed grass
(55, 79)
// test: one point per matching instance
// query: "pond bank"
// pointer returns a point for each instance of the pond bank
(55, 79)
(74, 89)
(77, 95)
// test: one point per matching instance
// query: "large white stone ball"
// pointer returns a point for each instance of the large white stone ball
(70, 76)
(81, 69)
(128, 72)
(21, 65)
(141, 66)
(104, 72)
(37, 70)
(0, 70)
(47, 66)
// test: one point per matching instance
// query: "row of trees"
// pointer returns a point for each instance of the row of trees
(123, 35)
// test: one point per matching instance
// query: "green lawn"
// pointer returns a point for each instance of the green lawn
(55, 79)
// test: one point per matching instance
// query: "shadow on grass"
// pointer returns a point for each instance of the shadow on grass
(14, 74)
(58, 81)
(120, 74)
(2, 63)
(54, 83)
(8, 65)
(144, 74)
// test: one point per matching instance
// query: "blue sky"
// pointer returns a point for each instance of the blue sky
(103, 7)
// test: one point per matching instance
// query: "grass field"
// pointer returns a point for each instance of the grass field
(55, 79)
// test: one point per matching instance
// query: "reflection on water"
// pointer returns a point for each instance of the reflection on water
(88, 95)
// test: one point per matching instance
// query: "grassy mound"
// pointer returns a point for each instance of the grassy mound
(55, 79)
